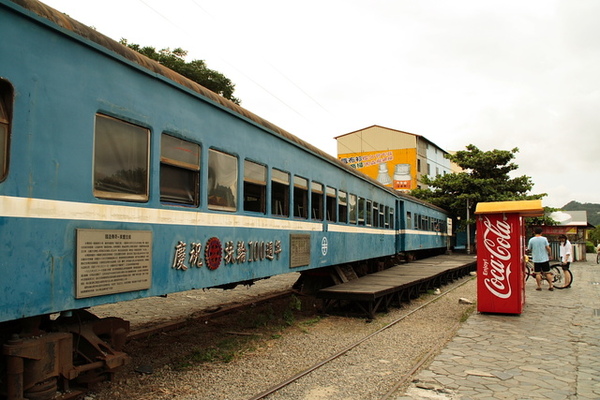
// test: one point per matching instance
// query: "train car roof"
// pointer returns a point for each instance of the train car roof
(70, 24)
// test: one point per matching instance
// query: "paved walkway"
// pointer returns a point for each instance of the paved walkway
(550, 351)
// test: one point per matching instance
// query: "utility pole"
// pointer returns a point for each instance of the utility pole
(468, 229)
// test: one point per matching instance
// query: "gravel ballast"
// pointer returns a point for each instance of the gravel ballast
(270, 344)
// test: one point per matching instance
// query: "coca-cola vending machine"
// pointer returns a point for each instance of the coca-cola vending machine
(500, 254)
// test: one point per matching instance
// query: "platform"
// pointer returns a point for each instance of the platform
(549, 351)
(397, 284)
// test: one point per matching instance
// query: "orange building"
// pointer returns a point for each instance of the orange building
(395, 158)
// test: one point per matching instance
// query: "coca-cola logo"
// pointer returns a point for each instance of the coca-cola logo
(496, 239)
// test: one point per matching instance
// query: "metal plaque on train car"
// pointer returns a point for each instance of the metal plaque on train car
(299, 250)
(112, 261)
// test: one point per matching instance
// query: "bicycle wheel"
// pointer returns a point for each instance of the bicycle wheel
(528, 270)
(562, 278)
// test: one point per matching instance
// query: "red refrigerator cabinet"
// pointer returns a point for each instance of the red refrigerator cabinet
(500, 254)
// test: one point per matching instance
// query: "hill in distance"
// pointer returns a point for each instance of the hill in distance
(593, 210)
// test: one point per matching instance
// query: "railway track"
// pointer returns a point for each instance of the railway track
(163, 351)
(219, 311)
(402, 379)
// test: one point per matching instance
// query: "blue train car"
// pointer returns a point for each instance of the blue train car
(426, 227)
(120, 179)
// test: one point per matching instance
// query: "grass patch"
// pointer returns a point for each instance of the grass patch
(226, 350)
(467, 313)
(311, 321)
(288, 314)
(244, 331)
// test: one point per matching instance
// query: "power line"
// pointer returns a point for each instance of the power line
(255, 82)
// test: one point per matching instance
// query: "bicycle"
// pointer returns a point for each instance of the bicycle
(562, 278)
(598, 257)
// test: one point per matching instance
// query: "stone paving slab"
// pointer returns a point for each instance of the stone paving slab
(550, 351)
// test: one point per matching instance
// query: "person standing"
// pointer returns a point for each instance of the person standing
(541, 253)
(566, 255)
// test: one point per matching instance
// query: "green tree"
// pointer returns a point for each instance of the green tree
(594, 235)
(195, 70)
(484, 177)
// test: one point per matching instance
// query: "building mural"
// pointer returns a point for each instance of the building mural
(393, 168)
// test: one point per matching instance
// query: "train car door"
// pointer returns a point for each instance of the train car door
(400, 225)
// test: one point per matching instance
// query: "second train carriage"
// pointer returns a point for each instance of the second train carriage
(120, 179)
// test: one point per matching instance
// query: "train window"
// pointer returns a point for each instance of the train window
(343, 206)
(330, 204)
(408, 220)
(386, 213)
(255, 187)
(382, 215)
(316, 198)
(222, 181)
(361, 211)
(121, 156)
(392, 219)
(179, 171)
(369, 218)
(6, 95)
(375, 215)
(280, 193)
(352, 211)
(300, 197)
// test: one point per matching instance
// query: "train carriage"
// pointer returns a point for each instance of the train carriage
(121, 179)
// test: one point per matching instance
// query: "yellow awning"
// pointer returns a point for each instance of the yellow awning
(528, 208)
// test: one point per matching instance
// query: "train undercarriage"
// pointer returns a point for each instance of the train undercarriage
(52, 359)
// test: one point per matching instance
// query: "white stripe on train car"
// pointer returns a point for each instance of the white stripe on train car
(359, 229)
(24, 207)
(427, 233)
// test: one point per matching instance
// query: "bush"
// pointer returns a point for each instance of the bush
(589, 247)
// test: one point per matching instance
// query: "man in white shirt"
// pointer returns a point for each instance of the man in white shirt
(566, 255)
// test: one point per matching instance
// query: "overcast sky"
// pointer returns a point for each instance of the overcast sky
(496, 74)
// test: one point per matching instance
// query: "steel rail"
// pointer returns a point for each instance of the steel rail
(346, 349)
(225, 309)
(417, 366)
